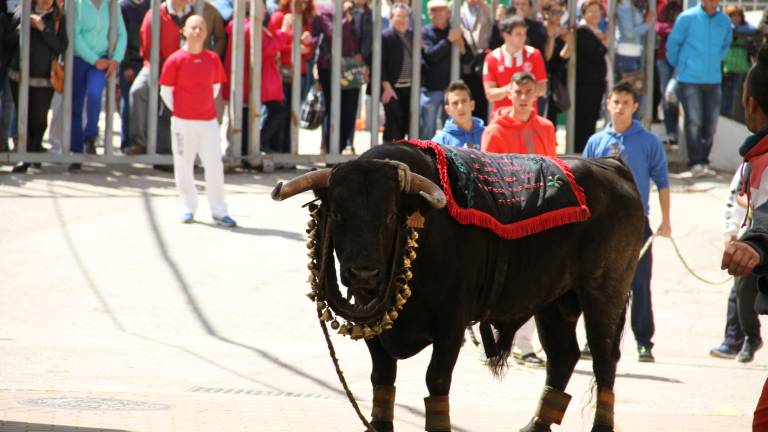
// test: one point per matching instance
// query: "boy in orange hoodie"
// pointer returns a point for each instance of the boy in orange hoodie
(517, 128)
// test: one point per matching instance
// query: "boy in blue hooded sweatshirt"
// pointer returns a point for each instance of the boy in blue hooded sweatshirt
(461, 129)
(643, 152)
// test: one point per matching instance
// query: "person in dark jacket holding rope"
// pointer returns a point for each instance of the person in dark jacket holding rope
(48, 40)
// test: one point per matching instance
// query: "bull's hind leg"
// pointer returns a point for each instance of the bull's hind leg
(557, 331)
(604, 328)
(383, 374)
(445, 352)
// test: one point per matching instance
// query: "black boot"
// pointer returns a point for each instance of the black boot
(90, 145)
(20, 167)
(748, 350)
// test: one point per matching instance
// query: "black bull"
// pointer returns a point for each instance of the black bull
(554, 275)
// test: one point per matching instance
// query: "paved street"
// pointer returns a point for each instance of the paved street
(115, 317)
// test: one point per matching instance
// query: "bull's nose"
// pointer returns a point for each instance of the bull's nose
(361, 274)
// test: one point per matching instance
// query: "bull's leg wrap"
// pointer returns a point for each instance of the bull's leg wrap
(604, 410)
(438, 414)
(552, 405)
(383, 403)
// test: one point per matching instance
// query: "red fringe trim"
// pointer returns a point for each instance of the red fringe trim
(513, 230)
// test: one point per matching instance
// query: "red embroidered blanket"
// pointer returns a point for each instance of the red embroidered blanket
(513, 195)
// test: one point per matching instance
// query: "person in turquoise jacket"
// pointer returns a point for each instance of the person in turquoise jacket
(461, 129)
(93, 65)
(695, 48)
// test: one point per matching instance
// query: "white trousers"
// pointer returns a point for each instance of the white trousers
(198, 137)
(523, 341)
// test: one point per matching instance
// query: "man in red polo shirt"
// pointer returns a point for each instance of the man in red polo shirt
(505, 61)
(191, 79)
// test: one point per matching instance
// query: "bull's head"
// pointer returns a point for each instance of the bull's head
(364, 207)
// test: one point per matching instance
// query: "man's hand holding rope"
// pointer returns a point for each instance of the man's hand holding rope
(740, 259)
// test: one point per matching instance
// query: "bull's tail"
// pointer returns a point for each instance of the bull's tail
(616, 165)
(499, 363)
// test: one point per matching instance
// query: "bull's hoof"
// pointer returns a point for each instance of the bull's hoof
(536, 426)
(602, 428)
(380, 426)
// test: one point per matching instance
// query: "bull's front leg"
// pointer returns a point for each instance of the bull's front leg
(383, 374)
(445, 352)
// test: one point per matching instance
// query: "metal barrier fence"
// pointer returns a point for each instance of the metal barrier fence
(255, 155)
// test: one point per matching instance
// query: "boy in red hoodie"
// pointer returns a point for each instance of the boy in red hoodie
(517, 128)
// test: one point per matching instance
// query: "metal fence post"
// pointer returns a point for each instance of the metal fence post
(298, 29)
(650, 44)
(413, 132)
(111, 81)
(154, 73)
(455, 54)
(570, 144)
(335, 132)
(69, 61)
(236, 77)
(254, 102)
(373, 117)
(22, 109)
(611, 42)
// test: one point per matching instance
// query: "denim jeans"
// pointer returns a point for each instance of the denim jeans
(86, 81)
(731, 89)
(430, 106)
(625, 64)
(671, 110)
(701, 103)
(125, 111)
(642, 310)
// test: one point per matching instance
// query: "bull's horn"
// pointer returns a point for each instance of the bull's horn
(311, 180)
(427, 189)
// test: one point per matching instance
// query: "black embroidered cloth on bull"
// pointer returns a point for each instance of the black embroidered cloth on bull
(513, 195)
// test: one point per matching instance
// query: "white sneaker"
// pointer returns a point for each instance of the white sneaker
(701, 170)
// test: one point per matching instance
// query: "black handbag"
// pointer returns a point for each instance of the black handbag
(560, 95)
(312, 109)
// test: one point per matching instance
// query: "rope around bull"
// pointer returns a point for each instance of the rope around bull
(693, 273)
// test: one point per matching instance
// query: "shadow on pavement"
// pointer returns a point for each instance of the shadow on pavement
(11, 426)
(635, 376)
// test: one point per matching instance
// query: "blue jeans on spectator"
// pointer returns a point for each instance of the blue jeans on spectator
(642, 308)
(7, 123)
(671, 110)
(430, 105)
(731, 89)
(701, 103)
(626, 64)
(86, 80)
(125, 110)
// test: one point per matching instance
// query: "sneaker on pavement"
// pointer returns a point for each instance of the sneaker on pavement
(225, 221)
(747, 353)
(21, 167)
(644, 354)
(530, 360)
(723, 351)
(701, 170)
(187, 218)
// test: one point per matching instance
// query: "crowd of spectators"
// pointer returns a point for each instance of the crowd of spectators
(703, 75)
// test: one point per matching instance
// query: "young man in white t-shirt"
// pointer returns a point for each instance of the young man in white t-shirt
(191, 79)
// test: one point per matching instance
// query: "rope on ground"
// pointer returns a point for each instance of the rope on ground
(342, 380)
(682, 260)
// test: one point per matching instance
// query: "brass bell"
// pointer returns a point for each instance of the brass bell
(311, 254)
(335, 324)
(311, 223)
(399, 300)
(320, 306)
(385, 320)
(311, 279)
(312, 265)
(406, 292)
(312, 207)
(378, 330)
(357, 331)
(343, 330)
(313, 235)
(312, 295)
(393, 315)
(408, 275)
(327, 315)
(411, 254)
(414, 235)
(368, 333)
(411, 244)
(406, 263)
(310, 244)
